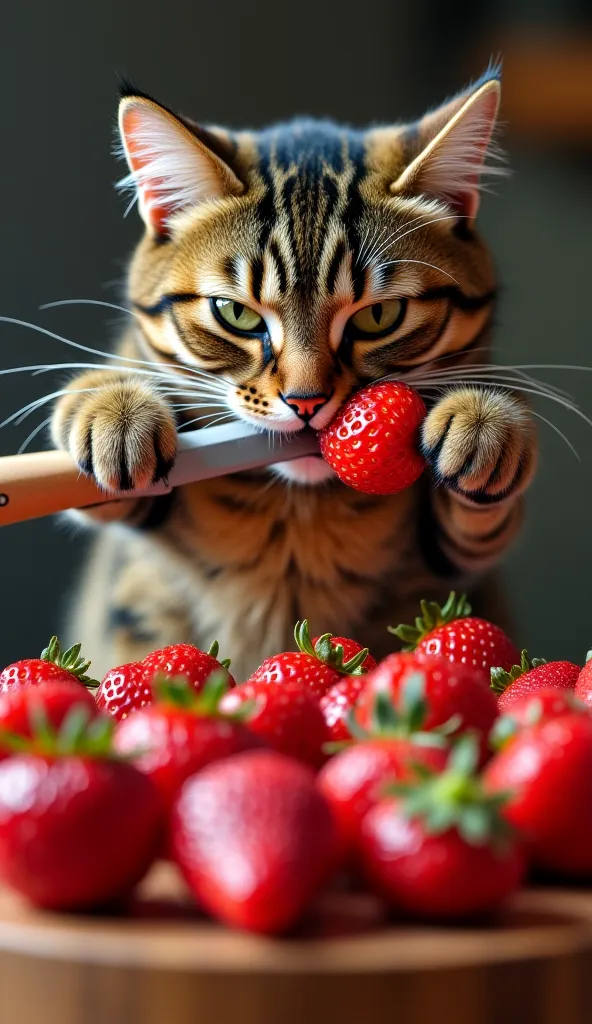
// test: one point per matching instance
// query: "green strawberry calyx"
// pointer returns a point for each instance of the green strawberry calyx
(507, 727)
(71, 660)
(406, 721)
(454, 798)
(327, 653)
(178, 692)
(432, 617)
(500, 679)
(214, 651)
(78, 736)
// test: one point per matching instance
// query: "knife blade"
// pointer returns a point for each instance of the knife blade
(43, 483)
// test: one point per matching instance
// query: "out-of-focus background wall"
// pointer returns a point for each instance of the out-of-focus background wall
(63, 235)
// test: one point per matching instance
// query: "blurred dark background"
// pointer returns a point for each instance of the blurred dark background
(64, 236)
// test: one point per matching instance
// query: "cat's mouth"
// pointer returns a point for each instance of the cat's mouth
(309, 470)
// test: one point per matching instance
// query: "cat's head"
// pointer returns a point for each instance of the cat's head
(296, 264)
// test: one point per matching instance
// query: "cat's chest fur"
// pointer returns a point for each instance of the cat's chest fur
(247, 557)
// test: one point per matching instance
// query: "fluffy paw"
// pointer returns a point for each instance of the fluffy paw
(122, 433)
(480, 444)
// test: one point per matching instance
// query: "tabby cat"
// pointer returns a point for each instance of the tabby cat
(280, 271)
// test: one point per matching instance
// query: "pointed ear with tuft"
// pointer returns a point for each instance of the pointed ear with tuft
(456, 141)
(170, 168)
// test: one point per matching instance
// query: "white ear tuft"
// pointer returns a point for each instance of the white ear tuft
(454, 160)
(170, 168)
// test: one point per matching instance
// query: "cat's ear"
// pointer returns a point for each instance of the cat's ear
(170, 168)
(455, 143)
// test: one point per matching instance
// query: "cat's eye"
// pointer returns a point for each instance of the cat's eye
(237, 316)
(379, 317)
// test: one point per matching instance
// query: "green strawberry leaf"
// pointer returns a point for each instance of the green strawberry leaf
(432, 617)
(500, 679)
(325, 652)
(70, 660)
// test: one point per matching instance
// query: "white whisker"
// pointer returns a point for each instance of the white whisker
(514, 387)
(558, 431)
(33, 434)
(395, 236)
(26, 410)
(89, 302)
(198, 405)
(437, 220)
(227, 416)
(423, 263)
(194, 371)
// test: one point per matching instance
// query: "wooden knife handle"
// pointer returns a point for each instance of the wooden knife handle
(42, 483)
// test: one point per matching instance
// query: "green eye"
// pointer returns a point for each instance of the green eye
(237, 316)
(379, 317)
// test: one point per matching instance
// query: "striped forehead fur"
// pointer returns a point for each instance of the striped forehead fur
(314, 234)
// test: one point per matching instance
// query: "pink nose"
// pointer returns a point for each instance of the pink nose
(305, 406)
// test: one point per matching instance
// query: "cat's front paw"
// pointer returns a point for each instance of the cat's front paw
(122, 433)
(480, 443)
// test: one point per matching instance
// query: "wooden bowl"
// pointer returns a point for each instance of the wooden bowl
(164, 964)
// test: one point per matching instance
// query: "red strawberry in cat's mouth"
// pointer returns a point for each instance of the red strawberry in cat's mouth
(372, 442)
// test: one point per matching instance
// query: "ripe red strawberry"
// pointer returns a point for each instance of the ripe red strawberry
(77, 829)
(254, 839)
(129, 687)
(453, 694)
(352, 781)
(337, 703)
(534, 708)
(528, 677)
(548, 767)
(583, 687)
(53, 665)
(185, 660)
(438, 849)
(24, 708)
(338, 700)
(286, 716)
(372, 442)
(451, 632)
(317, 667)
(180, 732)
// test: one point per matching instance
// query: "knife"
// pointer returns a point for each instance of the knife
(43, 483)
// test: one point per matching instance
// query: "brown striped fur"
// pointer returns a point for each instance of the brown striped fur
(305, 225)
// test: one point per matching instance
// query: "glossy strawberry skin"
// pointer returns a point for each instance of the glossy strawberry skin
(33, 672)
(473, 642)
(124, 689)
(287, 717)
(54, 700)
(254, 840)
(548, 767)
(337, 703)
(434, 877)
(450, 689)
(583, 687)
(183, 660)
(174, 743)
(372, 442)
(560, 675)
(75, 832)
(129, 687)
(549, 702)
(297, 667)
(353, 780)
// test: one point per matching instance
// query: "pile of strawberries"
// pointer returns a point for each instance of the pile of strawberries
(441, 777)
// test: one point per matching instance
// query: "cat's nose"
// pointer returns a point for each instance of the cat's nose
(305, 406)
